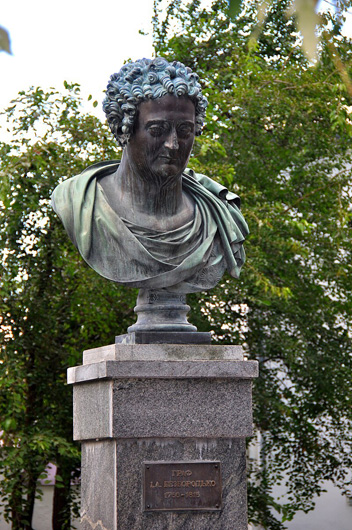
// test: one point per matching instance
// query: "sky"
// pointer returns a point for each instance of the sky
(72, 40)
(76, 41)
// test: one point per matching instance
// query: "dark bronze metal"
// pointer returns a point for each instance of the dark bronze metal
(182, 486)
(164, 337)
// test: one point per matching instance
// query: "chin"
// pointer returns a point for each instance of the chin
(168, 172)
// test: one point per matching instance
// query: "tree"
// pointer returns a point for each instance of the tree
(305, 14)
(279, 135)
(53, 306)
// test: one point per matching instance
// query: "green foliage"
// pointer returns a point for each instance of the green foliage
(279, 135)
(234, 7)
(303, 12)
(53, 306)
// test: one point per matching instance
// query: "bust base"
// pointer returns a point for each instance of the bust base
(164, 337)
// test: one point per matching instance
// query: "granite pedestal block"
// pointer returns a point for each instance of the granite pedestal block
(161, 403)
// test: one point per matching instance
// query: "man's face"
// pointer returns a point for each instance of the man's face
(162, 140)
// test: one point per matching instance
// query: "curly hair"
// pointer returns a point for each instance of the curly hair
(149, 79)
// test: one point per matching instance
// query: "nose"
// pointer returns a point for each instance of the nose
(171, 141)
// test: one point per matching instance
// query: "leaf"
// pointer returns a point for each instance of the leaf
(5, 41)
(234, 8)
(9, 424)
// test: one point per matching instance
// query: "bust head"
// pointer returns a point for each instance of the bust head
(144, 80)
(162, 140)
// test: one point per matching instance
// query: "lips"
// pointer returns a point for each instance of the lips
(168, 158)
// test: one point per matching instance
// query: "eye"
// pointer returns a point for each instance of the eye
(184, 130)
(156, 130)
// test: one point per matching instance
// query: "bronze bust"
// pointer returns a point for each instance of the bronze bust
(147, 221)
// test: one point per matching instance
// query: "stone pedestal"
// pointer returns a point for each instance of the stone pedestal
(140, 405)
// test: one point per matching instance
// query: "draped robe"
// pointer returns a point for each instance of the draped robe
(188, 259)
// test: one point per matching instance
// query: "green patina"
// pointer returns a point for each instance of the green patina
(188, 259)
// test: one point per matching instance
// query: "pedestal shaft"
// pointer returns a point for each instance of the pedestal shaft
(164, 409)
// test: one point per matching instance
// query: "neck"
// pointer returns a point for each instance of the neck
(157, 196)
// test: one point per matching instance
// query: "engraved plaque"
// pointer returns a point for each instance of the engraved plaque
(177, 486)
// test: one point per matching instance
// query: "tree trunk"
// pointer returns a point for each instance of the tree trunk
(32, 486)
(61, 501)
(16, 508)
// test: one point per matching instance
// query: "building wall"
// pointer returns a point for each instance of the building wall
(42, 512)
(332, 511)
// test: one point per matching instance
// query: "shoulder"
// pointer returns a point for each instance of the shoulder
(213, 187)
(76, 186)
(74, 194)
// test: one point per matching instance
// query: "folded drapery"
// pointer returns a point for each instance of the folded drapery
(188, 259)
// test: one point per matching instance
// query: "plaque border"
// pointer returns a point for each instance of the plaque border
(183, 509)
